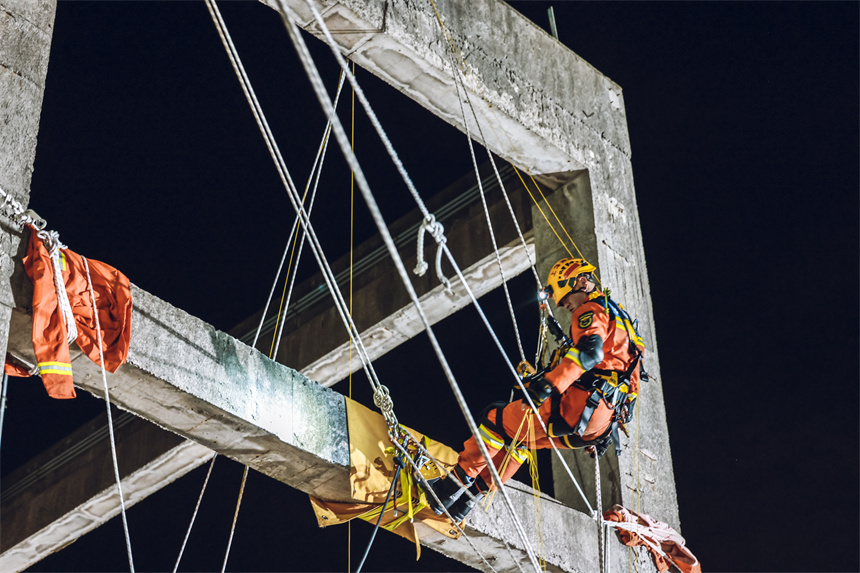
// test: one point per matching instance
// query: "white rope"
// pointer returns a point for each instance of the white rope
(321, 152)
(194, 515)
(110, 417)
(317, 84)
(490, 223)
(51, 240)
(601, 530)
(459, 81)
(235, 518)
(292, 195)
(437, 231)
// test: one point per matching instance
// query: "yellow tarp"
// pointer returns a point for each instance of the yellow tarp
(371, 472)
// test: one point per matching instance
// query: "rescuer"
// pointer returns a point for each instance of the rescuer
(582, 400)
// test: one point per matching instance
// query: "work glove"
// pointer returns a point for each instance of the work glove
(539, 389)
(599, 447)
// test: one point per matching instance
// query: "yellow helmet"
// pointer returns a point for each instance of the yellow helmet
(562, 277)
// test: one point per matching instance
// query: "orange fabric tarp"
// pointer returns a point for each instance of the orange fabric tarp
(654, 534)
(371, 472)
(112, 292)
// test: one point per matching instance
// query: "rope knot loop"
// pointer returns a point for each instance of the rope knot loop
(437, 231)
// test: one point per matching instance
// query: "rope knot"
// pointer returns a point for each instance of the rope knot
(437, 231)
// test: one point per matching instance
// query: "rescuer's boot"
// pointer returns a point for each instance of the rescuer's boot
(464, 504)
(448, 489)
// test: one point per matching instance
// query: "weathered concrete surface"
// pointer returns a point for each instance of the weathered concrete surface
(200, 383)
(575, 551)
(542, 120)
(25, 43)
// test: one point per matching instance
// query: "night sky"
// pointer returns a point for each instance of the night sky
(743, 121)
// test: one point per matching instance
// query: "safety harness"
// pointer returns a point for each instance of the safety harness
(612, 386)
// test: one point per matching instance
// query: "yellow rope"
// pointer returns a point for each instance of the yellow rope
(287, 276)
(557, 236)
(535, 475)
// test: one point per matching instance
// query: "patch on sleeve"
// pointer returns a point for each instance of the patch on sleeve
(586, 318)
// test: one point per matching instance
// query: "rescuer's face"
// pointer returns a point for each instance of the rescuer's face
(574, 299)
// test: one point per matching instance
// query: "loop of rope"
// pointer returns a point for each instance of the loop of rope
(51, 240)
(437, 231)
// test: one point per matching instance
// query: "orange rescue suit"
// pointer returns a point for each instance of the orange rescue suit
(113, 301)
(617, 333)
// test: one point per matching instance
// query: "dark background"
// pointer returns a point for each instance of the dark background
(743, 119)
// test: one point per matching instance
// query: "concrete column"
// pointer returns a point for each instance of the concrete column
(26, 27)
(604, 223)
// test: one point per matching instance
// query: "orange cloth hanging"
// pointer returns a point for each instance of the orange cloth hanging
(112, 292)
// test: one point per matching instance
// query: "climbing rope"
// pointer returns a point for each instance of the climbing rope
(437, 231)
(490, 226)
(110, 417)
(294, 275)
(601, 538)
(194, 515)
(235, 518)
(320, 157)
(316, 82)
(51, 240)
(286, 179)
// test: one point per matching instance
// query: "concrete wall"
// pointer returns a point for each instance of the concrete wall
(26, 27)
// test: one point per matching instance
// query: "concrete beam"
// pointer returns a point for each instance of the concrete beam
(184, 375)
(546, 105)
(384, 313)
(37, 522)
(199, 383)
